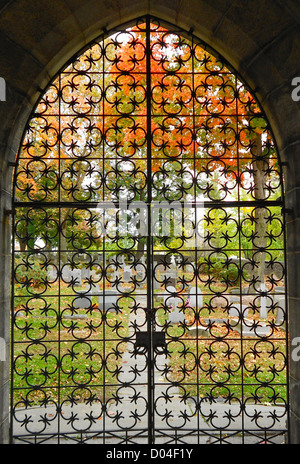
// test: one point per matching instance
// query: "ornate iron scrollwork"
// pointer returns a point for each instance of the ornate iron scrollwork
(149, 299)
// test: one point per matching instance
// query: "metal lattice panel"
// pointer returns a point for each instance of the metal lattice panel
(149, 297)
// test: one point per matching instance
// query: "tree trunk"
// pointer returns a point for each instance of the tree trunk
(259, 242)
(23, 244)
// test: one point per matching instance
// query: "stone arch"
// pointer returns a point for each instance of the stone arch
(265, 53)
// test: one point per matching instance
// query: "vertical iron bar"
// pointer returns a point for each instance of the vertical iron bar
(196, 236)
(103, 399)
(59, 327)
(149, 314)
(286, 315)
(239, 219)
(12, 322)
(59, 267)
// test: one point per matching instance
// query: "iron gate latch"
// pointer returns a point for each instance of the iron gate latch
(142, 341)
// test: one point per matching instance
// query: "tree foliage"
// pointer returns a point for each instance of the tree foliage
(91, 133)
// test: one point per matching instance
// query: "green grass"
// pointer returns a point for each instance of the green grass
(73, 358)
(79, 359)
(222, 363)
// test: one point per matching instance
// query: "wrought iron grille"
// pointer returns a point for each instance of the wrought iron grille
(149, 297)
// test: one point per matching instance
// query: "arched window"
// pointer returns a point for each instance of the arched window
(149, 296)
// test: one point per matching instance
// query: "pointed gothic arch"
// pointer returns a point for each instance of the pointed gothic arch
(148, 111)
